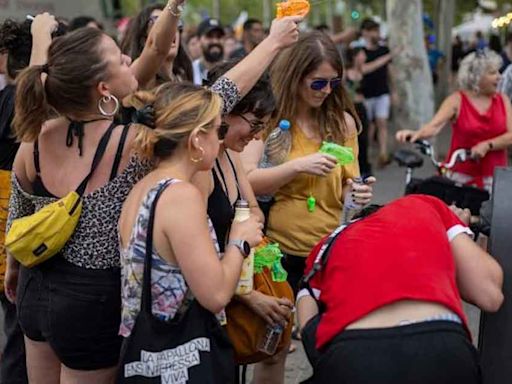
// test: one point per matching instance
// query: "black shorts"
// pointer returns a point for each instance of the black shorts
(424, 353)
(76, 310)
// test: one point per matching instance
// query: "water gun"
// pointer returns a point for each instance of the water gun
(293, 8)
(268, 255)
(344, 155)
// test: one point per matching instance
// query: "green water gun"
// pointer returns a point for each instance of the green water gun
(269, 256)
(344, 155)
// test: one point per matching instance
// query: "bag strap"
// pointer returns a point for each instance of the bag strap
(100, 151)
(146, 301)
(37, 166)
(119, 153)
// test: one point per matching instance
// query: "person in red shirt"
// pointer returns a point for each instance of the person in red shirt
(481, 120)
(390, 297)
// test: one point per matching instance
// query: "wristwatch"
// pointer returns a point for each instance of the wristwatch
(243, 246)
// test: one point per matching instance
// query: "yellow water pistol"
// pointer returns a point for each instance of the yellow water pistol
(293, 8)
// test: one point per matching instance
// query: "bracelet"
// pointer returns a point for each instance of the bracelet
(491, 145)
(175, 9)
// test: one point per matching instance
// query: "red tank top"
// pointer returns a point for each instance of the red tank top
(473, 127)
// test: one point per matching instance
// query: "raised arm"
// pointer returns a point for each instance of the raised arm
(158, 43)
(283, 33)
(447, 112)
(41, 29)
(345, 37)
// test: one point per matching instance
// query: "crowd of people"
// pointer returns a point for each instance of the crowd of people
(160, 135)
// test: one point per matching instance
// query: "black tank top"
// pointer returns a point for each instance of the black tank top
(38, 185)
(220, 209)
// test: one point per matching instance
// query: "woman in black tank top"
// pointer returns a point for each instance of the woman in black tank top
(227, 183)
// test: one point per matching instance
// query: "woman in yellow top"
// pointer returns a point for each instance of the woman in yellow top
(307, 82)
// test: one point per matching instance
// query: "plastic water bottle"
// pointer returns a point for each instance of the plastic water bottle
(246, 282)
(269, 343)
(350, 207)
(277, 148)
(277, 145)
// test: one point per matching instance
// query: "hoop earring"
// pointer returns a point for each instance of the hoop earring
(200, 157)
(106, 100)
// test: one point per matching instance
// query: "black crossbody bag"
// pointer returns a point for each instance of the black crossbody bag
(191, 348)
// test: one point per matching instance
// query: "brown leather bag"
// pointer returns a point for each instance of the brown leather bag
(246, 329)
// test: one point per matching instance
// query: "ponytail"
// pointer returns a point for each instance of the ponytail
(146, 138)
(32, 108)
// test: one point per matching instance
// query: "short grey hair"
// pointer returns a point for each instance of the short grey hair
(474, 66)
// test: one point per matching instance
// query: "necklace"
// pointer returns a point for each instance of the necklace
(311, 200)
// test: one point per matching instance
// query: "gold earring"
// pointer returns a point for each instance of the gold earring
(200, 157)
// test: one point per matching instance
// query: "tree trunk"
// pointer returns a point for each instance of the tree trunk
(410, 70)
(445, 20)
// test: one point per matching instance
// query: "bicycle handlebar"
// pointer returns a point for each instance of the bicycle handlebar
(458, 156)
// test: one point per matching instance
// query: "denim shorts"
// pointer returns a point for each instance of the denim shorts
(76, 310)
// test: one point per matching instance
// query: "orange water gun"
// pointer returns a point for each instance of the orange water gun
(293, 8)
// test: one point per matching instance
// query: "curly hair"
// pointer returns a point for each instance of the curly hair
(16, 40)
(474, 66)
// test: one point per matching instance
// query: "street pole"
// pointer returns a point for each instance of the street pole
(267, 12)
(216, 9)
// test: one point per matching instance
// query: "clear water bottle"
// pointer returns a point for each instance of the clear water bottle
(269, 343)
(277, 145)
(277, 148)
(245, 284)
(350, 207)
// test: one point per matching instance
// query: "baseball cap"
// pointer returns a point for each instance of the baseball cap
(209, 25)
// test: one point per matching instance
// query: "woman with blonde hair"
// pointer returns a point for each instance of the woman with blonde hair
(185, 141)
(480, 117)
(307, 83)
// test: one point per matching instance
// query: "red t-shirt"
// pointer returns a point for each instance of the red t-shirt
(401, 252)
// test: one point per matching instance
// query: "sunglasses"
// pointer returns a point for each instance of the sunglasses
(256, 125)
(318, 85)
(223, 130)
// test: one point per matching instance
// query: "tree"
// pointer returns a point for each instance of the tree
(410, 69)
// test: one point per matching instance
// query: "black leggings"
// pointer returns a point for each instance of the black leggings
(295, 266)
(425, 353)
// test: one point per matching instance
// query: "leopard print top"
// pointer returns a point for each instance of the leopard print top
(94, 244)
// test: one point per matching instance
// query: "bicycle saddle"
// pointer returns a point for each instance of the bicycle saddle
(409, 159)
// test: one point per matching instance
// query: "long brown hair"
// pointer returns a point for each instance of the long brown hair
(75, 66)
(289, 70)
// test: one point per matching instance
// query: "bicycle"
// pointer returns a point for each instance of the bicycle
(440, 186)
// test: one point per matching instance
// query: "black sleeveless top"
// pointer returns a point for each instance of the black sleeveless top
(38, 185)
(220, 209)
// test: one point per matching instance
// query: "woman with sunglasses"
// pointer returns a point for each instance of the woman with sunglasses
(227, 182)
(307, 82)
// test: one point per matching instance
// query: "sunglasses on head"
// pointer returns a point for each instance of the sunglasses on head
(223, 130)
(318, 85)
(256, 125)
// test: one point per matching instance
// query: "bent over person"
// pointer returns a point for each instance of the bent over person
(390, 296)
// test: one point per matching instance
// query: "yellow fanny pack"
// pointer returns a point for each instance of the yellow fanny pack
(36, 238)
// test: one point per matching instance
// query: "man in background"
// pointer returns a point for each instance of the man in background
(253, 35)
(211, 35)
(376, 89)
